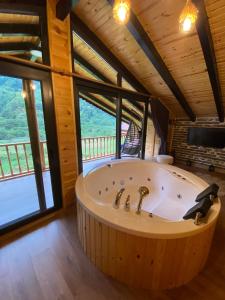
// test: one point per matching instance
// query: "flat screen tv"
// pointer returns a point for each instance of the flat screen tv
(206, 137)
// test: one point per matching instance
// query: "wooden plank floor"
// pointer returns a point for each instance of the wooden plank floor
(49, 263)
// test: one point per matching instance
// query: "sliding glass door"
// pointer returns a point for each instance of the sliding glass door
(29, 168)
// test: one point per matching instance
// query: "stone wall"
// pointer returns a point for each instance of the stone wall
(200, 155)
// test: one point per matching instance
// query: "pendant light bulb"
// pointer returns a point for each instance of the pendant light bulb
(121, 11)
(188, 17)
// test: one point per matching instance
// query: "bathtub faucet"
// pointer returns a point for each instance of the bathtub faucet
(144, 191)
(118, 197)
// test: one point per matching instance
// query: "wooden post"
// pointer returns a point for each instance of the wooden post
(59, 36)
(144, 129)
(118, 119)
(35, 142)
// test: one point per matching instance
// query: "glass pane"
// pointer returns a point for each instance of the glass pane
(98, 130)
(131, 129)
(17, 182)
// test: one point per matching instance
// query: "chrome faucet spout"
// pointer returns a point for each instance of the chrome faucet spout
(118, 197)
(144, 191)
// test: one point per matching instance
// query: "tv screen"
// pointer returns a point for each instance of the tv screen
(207, 137)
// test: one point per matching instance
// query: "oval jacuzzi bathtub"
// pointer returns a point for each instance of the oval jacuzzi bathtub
(156, 248)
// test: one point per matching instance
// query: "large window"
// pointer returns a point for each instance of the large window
(29, 167)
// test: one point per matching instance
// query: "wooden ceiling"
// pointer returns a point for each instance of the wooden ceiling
(89, 55)
(19, 35)
(181, 53)
(216, 15)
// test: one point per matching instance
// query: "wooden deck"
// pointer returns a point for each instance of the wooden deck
(19, 197)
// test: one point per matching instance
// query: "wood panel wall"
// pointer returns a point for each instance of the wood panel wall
(60, 58)
(152, 141)
(202, 156)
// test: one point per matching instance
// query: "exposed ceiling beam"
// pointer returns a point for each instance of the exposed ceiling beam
(24, 46)
(97, 74)
(28, 29)
(205, 37)
(64, 7)
(146, 44)
(93, 41)
(31, 7)
(94, 86)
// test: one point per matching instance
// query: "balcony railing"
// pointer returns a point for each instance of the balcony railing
(99, 147)
(16, 158)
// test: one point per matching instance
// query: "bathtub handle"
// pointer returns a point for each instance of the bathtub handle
(118, 196)
(127, 203)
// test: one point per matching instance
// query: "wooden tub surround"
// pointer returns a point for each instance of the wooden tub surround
(139, 250)
(142, 262)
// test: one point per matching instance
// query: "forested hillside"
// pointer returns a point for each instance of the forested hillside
(13, 124)
(95, 122)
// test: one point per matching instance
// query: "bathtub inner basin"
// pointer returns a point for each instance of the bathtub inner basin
(172, 191)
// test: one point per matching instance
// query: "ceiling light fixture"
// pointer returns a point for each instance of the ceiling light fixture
(188, 16)
(121, 11)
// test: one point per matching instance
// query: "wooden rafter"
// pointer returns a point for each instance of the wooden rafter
(146, 44)
(64, 7)
(111, 100)
(205, 37)
(95, 43)
(107, 89)
(31, 7)
(27, 29)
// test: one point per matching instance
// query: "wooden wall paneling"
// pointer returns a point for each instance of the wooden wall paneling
(60, 57)
(151, 141)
